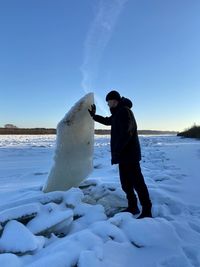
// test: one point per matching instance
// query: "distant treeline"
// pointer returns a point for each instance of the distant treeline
(140, 132)
(53, 131)
(193, 132)
(27, 131)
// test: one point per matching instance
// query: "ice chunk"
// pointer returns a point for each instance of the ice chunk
(56, 197)
(23, 212)
(74, 150)
(47, 221)
(85, 215)
(16, 238)
(73, 197)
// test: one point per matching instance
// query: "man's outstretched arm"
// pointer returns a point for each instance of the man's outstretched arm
(98, 118)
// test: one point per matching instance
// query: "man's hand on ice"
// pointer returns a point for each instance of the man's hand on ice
(93, 110)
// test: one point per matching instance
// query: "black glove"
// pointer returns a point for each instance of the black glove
(115, 158)
(92, 111)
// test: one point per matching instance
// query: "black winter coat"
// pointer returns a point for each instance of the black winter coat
(125, 146)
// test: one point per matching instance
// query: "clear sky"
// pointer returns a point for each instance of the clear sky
(54, 51)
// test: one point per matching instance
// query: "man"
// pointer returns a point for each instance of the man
(125, 151)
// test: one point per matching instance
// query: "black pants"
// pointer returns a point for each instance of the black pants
(132, 180)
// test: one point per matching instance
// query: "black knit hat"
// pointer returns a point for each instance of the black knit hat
(113, 95)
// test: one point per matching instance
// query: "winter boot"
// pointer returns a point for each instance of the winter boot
(134, 211)
(146, 212)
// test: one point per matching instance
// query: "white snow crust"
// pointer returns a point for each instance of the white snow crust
(84, 226)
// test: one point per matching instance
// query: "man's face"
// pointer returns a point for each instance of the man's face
(112, 103)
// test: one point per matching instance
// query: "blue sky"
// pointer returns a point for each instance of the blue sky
(54, 51)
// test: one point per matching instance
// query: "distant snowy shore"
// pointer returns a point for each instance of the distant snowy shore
(84, 227)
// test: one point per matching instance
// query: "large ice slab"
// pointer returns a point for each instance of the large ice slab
(74, 148)
(16, 238)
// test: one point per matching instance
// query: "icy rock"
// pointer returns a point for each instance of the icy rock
(86, 214)
(16, 238)
(113, 203)
(73, 197)
(87, 183)
(66, 252)
(56, 197)
(74, 150)
(89, 213)
(20, 213)
(48, 221)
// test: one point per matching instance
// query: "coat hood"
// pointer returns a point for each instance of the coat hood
(126, 102)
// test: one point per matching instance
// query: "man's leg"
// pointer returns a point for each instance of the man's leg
(128, 187)
(141, 189)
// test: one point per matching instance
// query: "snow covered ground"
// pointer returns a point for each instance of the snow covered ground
(83, 226)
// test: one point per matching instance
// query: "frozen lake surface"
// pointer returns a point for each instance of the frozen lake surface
(83, 226)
